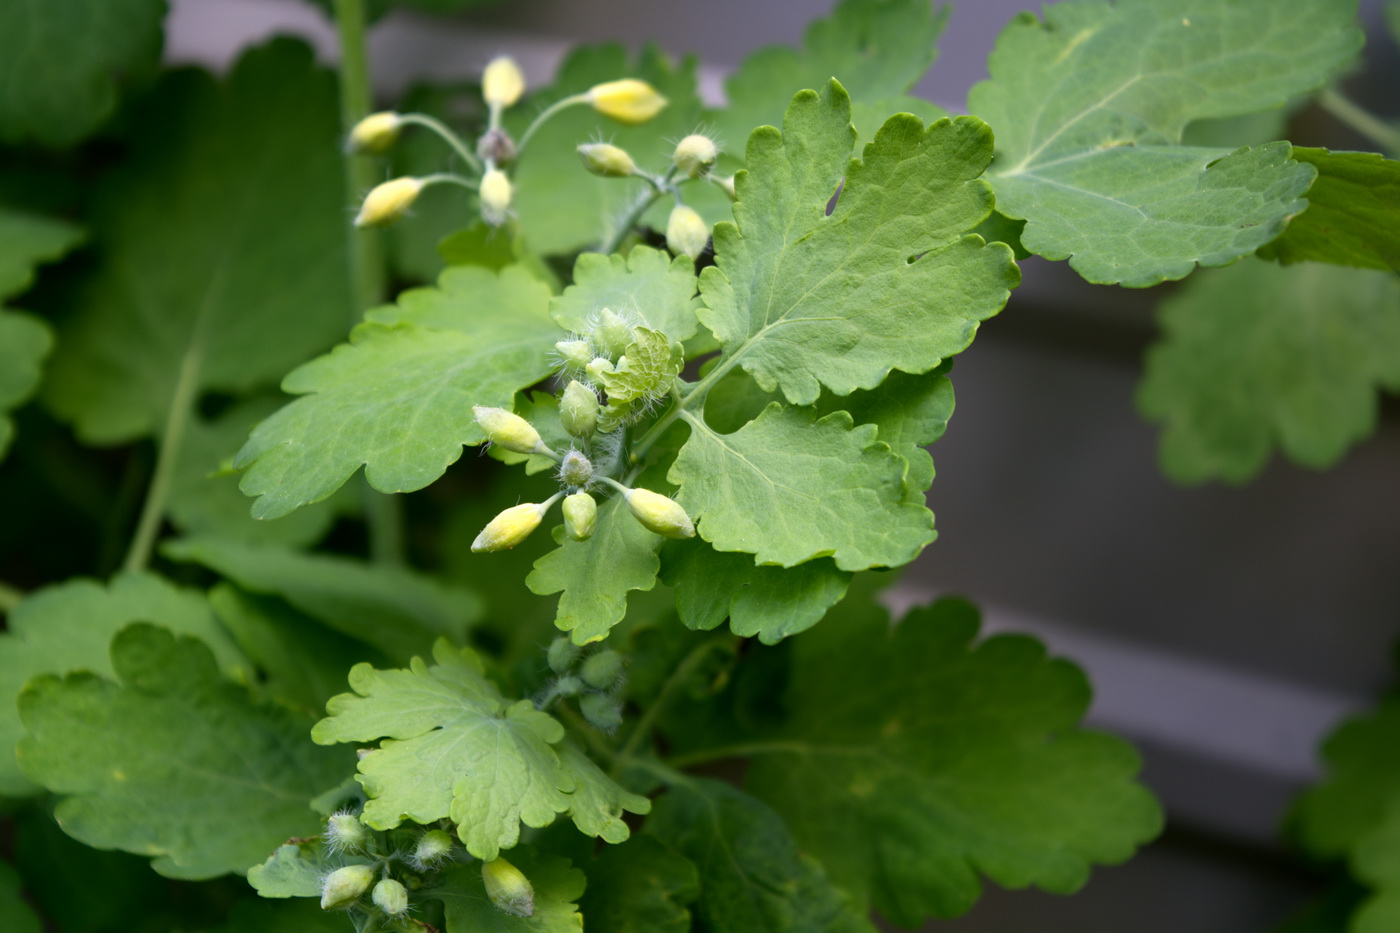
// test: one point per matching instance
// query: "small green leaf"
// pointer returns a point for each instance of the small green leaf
(246, 773)
(288, 873)
(659, 292)
(478, 338)
(24, 343)
(1361, 787)
(557, 886)
(1258, 355)
(1350, 220)
(1089, 108)
(639, 887)
(26, 240)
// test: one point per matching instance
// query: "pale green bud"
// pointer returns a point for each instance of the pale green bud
(580, 516)
(602, 670)
(575, 353)
(376, 133)
(388, 202)
(601, 711)
(607, 160)
(502, 82)
(627, 101)
(598, 367)
(695, 154)
(567, 685)
(686, 232)
(578, 410)
(509, 528)
(659, 514)
(344, 886)
(509, 430)
(611, 332)
(345, 833)
(433, 847)
(391, 897)
(508, 888)
(575, 469)
(495, 193)
(562, 651)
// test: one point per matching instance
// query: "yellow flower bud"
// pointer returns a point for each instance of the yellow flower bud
(606, 160)
(659, 514)
(509, 430)
(376, 133)
(686, 232)
(509, 528)
(502, 83)
(580, 516)
(695, 154)
(388, 202)
(344, 886)
(627, 101)
(508, 888)
(495, 193)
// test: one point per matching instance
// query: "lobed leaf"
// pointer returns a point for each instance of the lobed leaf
(1350, 220)
(557, 886)
(25, 341)
(26, 240)
(646, 286)
(639, 887)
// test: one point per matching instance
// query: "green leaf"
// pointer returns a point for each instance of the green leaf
(255, 915)
(803, 300)
(398, 398)
(645, 286)
(753, 878)
(24, 343)
(557, 885)
(288, 873)
(246, 774)
(1350, 220)
(788, 487)
(389, 608)
(1089, 108)
(26, 240)
(1362, 785)
(769, 602)
(639, 887)
(59, 60)
(1258, 355)
(904, 803)
(18, 915)
(596, 575)
(1376, 861)
(67, 627)
(220, 245)
(456, 748)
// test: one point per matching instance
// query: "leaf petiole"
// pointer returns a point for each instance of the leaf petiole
(445, 132)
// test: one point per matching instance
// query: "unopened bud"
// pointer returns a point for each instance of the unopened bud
(686, 232)
(376, 133)
(433, 847)
(344, 886)
(575, 353)
(562, 651)
(695, 154)
(606, 160)
(611, 332)
(345, 832)
(602, 670)
(578, 410)
(502, 83)
(580, 516)
(391, 897)
(508, 888)
(602, 711)
(727, 186)
(495, 193)
(509, 528)
(509, 430)
(659, 514)
(388, 202)
(628, 100)
(598, 367)
(496, 146)
(575, 469)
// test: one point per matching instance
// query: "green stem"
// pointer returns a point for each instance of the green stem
(365, 249)
(451, 138)
(1383, 134)
(545, 116)
(659, 186)
(696, 395)
(447, 178)
(663, 697)
(10, 597)
(738, 750)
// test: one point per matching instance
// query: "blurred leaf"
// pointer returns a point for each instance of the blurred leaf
(1350, 220)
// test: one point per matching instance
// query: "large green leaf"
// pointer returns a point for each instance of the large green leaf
(639, 887)
(556, 884)
(67, 627)
(1089, 107)
(220, 248)
(26, 240)
(455, 747)
(1258, 355)
(1350, 220)
(59, 60)
(172, 761)
(398, 398)
(914, 759)
(647, 288)
(24, 343)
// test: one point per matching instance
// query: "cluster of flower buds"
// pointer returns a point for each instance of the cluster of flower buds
(597, 682)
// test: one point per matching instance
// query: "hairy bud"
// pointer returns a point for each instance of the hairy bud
(496, 146)
(391, 897)
(376, 133)
(433, 847)
(611, 332)
(344, 886)
(509, 430)
(601, 711)
(602, 670)
(562, 652)
(508, 888)
(598, 367)
(695, 154)
(388, 202)
(575, 469)
(606, 160)
(580, 516)
(686, 232)
(502, 83)
(578, 411)
(345, 833)
(574, 353)
(627, 101)
(495, 193)
(659, 514)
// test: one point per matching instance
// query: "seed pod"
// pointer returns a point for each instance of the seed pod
(562, 652)
(495, 193)
(575, 469)
(508, 888)
(509, 528)
(607, 160)
(580, 516)
(502, 82)
(686, 232)
(627, 101)
(578, 410)
(659, 514)
(433, 847)
(344, 886)
(695, 154)
(376, 133)
(602, 670)
(509, 430)
(388, 202)
(601, 711)
(391, 897)
(345, 833)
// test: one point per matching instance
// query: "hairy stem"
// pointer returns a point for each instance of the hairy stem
(1383, 134)
(544, 117)
(451, 138)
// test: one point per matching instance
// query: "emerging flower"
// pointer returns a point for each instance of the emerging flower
(686, 232)
(388, 202)
(376, 133)
(502, 83)
(627, 101)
